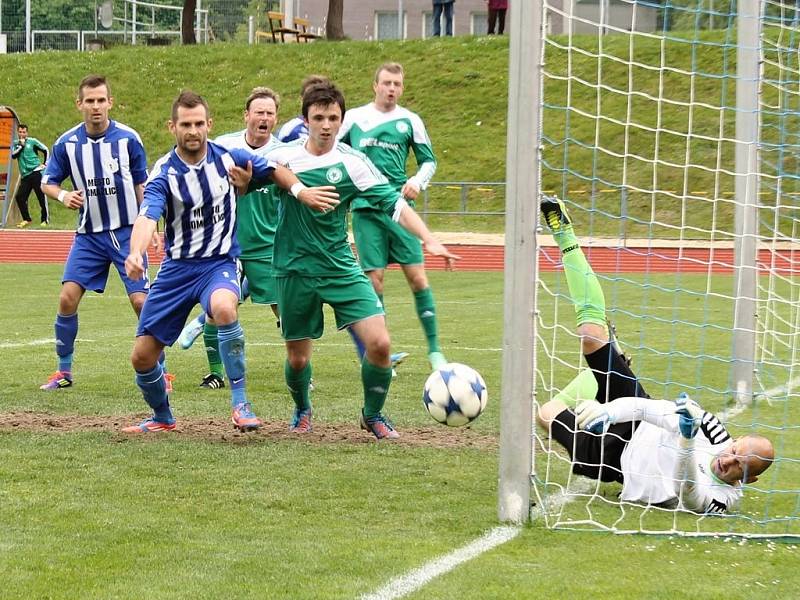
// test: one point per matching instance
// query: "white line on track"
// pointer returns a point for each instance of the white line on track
(414, 580)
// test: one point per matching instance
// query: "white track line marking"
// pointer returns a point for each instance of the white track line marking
(414, 580)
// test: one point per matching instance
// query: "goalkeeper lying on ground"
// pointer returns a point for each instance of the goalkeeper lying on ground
(671, 454)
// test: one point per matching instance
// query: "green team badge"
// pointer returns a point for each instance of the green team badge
(334, 175)
(401, 126)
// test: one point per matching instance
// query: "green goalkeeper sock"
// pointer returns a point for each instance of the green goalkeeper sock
(582, 387)
(426, 311)
(584, 287)
(297, 382)
(211, 340)
(376, 382)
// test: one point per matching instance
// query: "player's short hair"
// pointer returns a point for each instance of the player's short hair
(92, 81)
(262, 92)
(188, 99)
(323, 94)
(392, 67)
(312, 80)
(22, 126)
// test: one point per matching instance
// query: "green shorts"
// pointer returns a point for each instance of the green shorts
(380, 241)
(260, 280)
(300, 301)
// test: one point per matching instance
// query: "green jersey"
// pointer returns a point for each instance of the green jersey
(256, 211)
(25, 153)
(312, 243)
(387, 138)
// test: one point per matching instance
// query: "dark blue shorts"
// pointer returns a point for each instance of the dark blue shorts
(91, 256)
(178, 287)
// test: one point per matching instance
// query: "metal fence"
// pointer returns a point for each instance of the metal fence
(461, 203)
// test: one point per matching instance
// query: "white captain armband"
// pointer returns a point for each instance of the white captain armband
(297, 188)
(398, 208)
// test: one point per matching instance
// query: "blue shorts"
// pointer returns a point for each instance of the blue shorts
(91, 256)
(178, 287)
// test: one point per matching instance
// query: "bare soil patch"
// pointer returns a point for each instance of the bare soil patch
(221, 430)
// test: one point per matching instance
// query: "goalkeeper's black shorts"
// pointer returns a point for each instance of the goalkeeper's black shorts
(600, 456)
(594, 456)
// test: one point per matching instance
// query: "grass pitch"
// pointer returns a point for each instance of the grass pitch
(205, 513)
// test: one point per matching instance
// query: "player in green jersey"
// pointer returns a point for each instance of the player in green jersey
(314, 264)
(387, 133)
(257, 218)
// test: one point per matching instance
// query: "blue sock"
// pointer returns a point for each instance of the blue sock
(231, 349)
(66, 332)
(360, 349)
(154, 390)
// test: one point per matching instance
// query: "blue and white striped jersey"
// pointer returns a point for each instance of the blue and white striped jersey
(199, 202)
(107, 168)
(293, 130)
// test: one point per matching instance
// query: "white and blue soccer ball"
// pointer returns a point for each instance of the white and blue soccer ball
(455, 394)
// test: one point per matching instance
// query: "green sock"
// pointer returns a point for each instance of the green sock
(582, 387)
(584, 287)
(297, 382)
(211, 340)
(376, 382)
(426, 311)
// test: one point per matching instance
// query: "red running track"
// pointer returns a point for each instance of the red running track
(53, 246)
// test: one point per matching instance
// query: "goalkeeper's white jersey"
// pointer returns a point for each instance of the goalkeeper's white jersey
(650, 462)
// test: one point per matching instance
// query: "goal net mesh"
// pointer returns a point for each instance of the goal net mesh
(638, 137)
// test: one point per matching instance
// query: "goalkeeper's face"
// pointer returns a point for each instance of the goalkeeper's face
(744, 460)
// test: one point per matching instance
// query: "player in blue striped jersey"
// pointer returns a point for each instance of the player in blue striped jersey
(296, 128)
(193, 187)
(105, 161)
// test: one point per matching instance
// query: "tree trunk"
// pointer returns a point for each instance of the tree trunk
(187, 22)
(334, 29)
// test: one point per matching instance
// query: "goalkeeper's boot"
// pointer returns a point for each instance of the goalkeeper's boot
(437, 360)
(555, 213)
(301, 421)
(244, 418)
(58, 380)
(191, 332)
(212, 381)
(379, 426)
(151, 425)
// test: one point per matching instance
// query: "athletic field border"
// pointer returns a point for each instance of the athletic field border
(485, 252)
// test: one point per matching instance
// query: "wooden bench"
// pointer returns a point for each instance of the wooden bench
(278, 31)
(302, 25)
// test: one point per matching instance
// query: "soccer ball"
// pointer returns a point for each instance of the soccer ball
(455, 394)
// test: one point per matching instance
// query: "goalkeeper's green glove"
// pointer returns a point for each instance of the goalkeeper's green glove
(690, 415)
(592, 416)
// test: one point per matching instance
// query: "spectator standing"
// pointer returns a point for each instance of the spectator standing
(446, 7)
(25, 150)
(497, 15)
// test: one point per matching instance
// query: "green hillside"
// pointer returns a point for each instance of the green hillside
(459, 86)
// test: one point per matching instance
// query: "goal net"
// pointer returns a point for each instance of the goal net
(672, 133)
